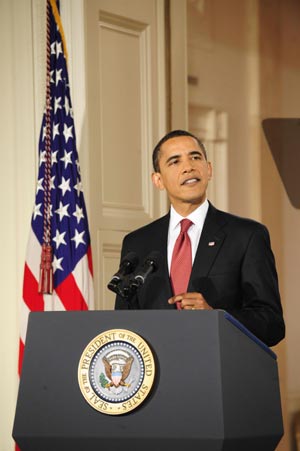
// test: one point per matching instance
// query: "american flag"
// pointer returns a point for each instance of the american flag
(59, 211)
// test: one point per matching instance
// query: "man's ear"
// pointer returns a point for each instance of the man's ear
(157, 180)
(210, 171)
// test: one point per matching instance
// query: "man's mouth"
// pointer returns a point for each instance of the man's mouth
(190, 181)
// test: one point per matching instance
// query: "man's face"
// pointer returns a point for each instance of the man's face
(184, 173)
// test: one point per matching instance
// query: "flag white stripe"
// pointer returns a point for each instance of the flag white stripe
(53, 302)
(24, 320)
(33, 257)
(84, 281)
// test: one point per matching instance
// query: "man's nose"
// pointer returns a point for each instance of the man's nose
(187, 166)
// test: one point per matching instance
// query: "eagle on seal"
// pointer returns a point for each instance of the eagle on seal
(117, 373)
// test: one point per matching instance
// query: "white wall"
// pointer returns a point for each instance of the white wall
(221, 57)
(18, 157)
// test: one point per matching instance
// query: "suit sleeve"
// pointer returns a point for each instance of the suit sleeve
(261, 310)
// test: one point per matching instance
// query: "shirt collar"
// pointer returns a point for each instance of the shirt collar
(197, 216)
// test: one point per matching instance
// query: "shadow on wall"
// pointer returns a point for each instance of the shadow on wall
(283, 137)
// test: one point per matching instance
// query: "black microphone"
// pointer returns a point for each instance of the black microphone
(150, 265)
(127, 265)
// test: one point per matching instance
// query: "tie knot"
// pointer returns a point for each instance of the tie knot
(185, 225)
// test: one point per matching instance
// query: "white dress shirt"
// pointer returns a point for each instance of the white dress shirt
(197, 217)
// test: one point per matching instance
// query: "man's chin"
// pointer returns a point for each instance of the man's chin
(197, 200)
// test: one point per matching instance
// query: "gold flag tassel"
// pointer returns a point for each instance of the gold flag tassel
(46, 271)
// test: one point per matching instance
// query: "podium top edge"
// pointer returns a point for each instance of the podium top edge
(216, 312)
(249, 334)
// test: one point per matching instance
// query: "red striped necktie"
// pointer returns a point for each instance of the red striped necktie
(181, 264)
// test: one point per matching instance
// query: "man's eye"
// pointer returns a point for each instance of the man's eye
(196, 157)
(173, 162)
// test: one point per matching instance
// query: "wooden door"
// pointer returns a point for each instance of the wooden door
(126, 98)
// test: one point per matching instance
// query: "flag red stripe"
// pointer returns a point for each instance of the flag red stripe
(21, 354)
(90, 260)
(70, 295)
(32, 298)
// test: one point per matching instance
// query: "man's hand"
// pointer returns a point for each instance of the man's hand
(190, 301)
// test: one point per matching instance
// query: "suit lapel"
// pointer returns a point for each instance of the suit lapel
(210, 243)
(162, 243)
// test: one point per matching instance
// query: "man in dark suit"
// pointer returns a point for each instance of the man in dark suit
(233, 266)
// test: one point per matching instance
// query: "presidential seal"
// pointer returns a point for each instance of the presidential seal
(116, 371)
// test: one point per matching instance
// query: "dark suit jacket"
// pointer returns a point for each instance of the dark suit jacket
(234, 269)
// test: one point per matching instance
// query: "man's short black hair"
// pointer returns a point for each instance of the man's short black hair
(173, 134)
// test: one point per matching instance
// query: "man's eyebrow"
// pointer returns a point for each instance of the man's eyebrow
(191, 153)
(196, 152)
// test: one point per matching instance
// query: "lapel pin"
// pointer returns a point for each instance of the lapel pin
(211, 243)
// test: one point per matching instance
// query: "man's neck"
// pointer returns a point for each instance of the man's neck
(185, 209)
